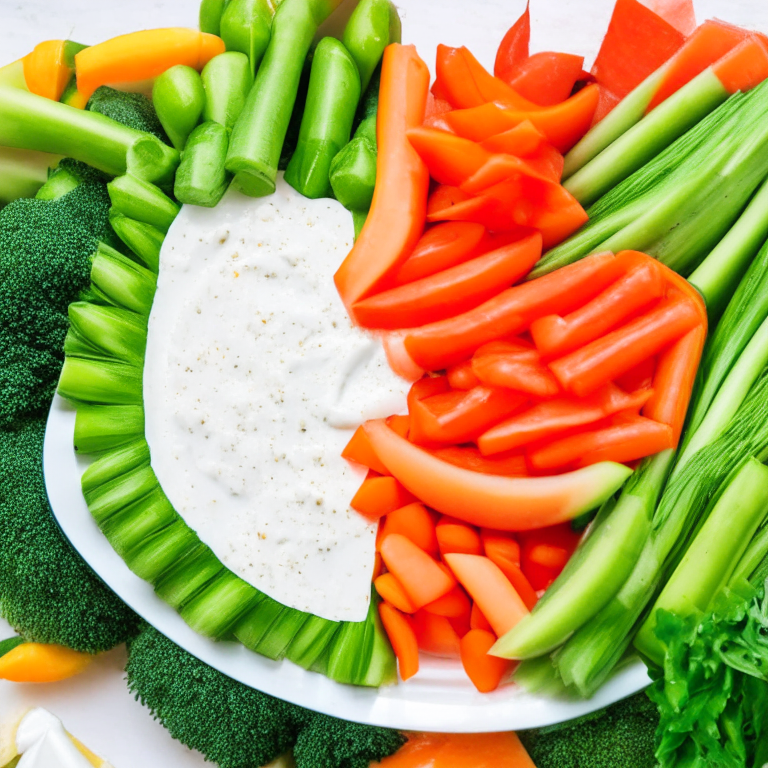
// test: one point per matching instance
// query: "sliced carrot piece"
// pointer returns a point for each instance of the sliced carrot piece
(539, 576)
(378, 496)
(378, 566)
(496, 169)
(46, 72)
(398, 210)
(486, 672)
(435, 635)
(413, 522)
(461, 376)
(468, 457)
(595, 364)
(452, 605)
(143, 55)
(399, 629)
(490, 589)
(391, 590)
(547, 419)
(624, 442)
(428, 386)
(450, 159)
(549, 556)
(422, 578)
(504, 364)
(745, 67)
(547, 78)
(399, 424)
(39, 663)
(641, 285)
(521, 141)
(477, 620)
(454, 536)
(444, 198)
(514, 46)
(441, 247)
(501, 544)
(359, 450)
(438, 345)
(639, 378)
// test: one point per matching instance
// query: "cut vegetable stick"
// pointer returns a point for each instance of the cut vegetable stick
(421, 576)
(468, 457)
(400, 424)
(142, 56)
(501, 364)
(625, 442)
(639, 378)
(450, 159)
(500, 544)
(514, 46)
(477, 620)
(435, 635)
(679, 13)
(502, 503)
(555, 335)
(438, 345)
(46, 71)
(547, 419)
(458, 537)
(745, 67)
(441, 247)
(561, 536)
(599, 362)
(673, 381)
(546, 161)
(521, 141)
(459, 417)
(378, 566)
(415, 523)
(396, 219)
(378, 496)
(549, 556)
(359, 450)
(391, 590)
(486, 672)
(443, 198)
(452, 605)
(461, 376)
(452, 291)
(514, 572)
(490, 589)
(496, 169)
(547, 78)
(39, 663)
(400, 632)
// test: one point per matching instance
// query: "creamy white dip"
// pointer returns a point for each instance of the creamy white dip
(43, 743)
(254, 382)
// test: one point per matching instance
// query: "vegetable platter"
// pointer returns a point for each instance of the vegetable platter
(487, 386)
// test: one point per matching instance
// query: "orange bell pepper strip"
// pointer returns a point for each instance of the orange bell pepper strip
(745, 67)
(563, 124)
(548, 162)
(435, 635)
(391, 590)
(624, 442)
(46, 70)
(486, 672)
(398, 211)
(501, 503)
(439, 345)
(422, 389)
(547, 78)
(497, 169)
(563, 415)
(143, 55)
(450, 159)
(378, 496)
(39, 663)
(505, 364)
(521, 141)
(399, 629)
(507, 464)
(642, 284)
(441, 247)
(452, 291)
(514, 47)
(595, 364)
(359, 450)
(415, 523)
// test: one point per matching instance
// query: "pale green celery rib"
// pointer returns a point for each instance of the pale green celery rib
(628, 112)
(652, 134)
(23, 172)
(119, 333)
(753, 558)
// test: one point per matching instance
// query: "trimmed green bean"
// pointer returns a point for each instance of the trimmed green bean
(227, 79)
(246, 26)
(143, 239)
(374, 24)
(202, 178)
(178, 98)
(353, 174)
(142, 201)
(210, 15)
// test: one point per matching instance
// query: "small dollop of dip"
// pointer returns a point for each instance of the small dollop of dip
(42, 742)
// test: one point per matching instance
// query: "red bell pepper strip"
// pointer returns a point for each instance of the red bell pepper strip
(468, 457)
(506, 364)
(443, 198)
(452, 291)
(560, 537)
(359, 450)
(563, 415)
(595, 364)
(547, 78)
(679, 13)
(642, 284)
(639, 378)
(496, 169)
(547, 161)
(450, 159)
(438, 345)
(398, 211)
(514, 46)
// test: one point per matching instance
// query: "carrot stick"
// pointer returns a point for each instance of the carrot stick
(477, 619)
(486, 672)
(399, 629)
(461, 376)
(587, 369)
(398, 211)
(549, 556)
(378, 496)
(459, 750)
(435, 635)
(143, 56)
(490, 589)
(391, 590)
(500, 544)
(422, 578)
(521, 141)
(444, 197)
(744, 67)
(359, 450)
(508, 464)
(501, 364)
(46, 71)
(450, 159)
(439, 345)
(514, 46)
(458, 537)
(496, 169)
(452, 291)
(452, 605)
(415, 523)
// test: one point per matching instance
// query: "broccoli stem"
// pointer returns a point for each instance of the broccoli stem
(259, 133)
(32, 122)
(334, 93)
(713, 555)
(643, 141)
(142, 201)
(143, 239)
(121, 281)
(227, 79)
(23, 173)
(202, 178)
(102, 427)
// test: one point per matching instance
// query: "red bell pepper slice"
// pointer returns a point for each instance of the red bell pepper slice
(461, 376)
(450, 159)
(521, 141)
(547, 78)
(514, 46)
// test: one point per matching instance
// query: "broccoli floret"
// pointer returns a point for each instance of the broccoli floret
(45, 247)
(236, 726)
(131, 109)
(622, 735)
(47, 592)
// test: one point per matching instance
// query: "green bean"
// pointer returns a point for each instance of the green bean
(202, 178)
(374, 24)
(142, 201)
(334, 93)
(210, 15)
(246, 26)
(353, 174)
(258, 135)
(227, 79)
(178, 97)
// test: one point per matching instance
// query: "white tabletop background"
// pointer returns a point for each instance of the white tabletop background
(97, 706)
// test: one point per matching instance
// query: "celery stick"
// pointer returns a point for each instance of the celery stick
(130, 527)
(115, 463)
(143, 239)
(178, 98)
(275, 643)
(311, 641)
(100, 381)
(202, 178)
(373, 25)
(160, 552)
(258, 135)
(216, 609)
(227, 79)
(246, 26)
(643, 141)
(109, 498)
(255, 625)
(33, 122)
(334, 93)
(23, 172)
(103, 427)
(196, 569)
(142, 201)
(115, 332)
(123, 281)
(753, 559)
(713, 555)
